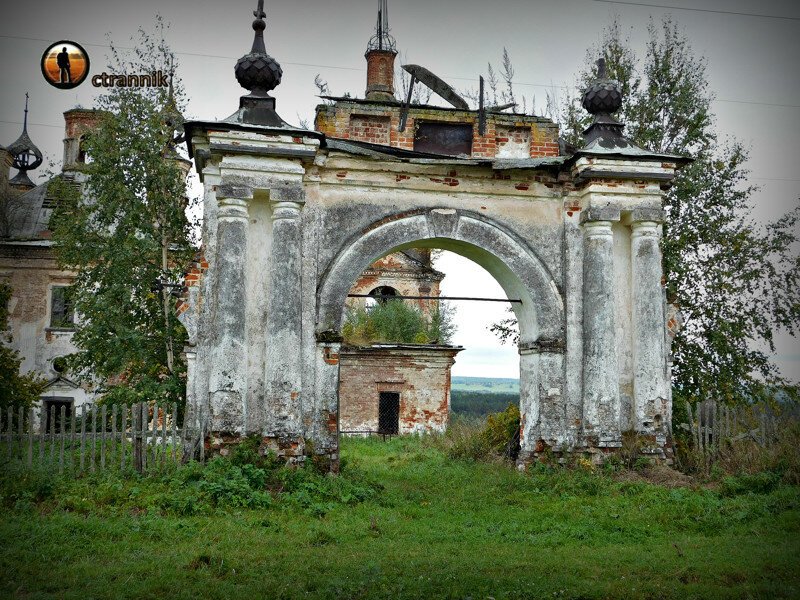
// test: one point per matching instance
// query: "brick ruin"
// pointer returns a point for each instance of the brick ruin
(396, 388)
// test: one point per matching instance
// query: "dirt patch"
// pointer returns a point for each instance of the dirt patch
(659, 475)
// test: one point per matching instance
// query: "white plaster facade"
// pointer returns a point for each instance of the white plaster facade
(293, 219)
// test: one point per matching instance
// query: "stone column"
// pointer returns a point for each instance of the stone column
(541, 398)
(284, 337)
(326, 418)
(601, 402)
(649, 343)
(228, 344)
(529, 403)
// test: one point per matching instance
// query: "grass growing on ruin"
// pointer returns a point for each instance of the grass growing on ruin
(403, 521)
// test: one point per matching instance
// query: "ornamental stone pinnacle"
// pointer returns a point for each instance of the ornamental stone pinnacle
(604, 95)
(601, 99)
(257, 71)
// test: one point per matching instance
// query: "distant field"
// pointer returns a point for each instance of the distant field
(485, 384)
(480, 396)
(480, 404)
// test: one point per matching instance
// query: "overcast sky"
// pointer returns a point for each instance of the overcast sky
(752, 69)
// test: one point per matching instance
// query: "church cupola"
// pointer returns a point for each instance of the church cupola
(380, 55)
(25, 157)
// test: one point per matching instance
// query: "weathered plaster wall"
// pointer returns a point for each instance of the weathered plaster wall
(32, 272)
(561, 243)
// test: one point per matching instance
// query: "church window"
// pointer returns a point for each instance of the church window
(384, 293)
(62, 309)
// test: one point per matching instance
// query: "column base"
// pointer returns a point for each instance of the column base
(597, 453)
(295, 451)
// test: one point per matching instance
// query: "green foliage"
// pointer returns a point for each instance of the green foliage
(502, 431)
(15, 390)
(497, 437)
(22, 488)
(746, 457)
(396, 322)
(437, 528)
(757, 483)
(735, 282)
(123, 231)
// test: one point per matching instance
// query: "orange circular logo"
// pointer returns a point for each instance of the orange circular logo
(65, 65)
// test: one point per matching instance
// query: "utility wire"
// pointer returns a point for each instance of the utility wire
(362, 70)
(705, 10)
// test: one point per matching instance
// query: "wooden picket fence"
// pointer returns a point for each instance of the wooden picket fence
(713, 426)
(143, 436)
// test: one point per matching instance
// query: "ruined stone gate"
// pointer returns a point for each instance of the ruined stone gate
(292, 217)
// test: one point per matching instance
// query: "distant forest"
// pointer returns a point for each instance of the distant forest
(480, 404)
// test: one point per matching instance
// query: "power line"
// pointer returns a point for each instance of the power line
(33, 39)
(362, 70)
(705, 10)
(29, 123)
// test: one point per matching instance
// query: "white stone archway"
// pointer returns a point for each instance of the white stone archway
(515, 266)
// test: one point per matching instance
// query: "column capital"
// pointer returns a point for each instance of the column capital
(232, 208)
(543, 345)
(645, 229)
(286, 211)
(599, 214)
(287, 201)
(597, 229)
(647, 215)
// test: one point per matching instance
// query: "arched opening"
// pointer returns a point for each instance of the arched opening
(514, 265)
(382, 294)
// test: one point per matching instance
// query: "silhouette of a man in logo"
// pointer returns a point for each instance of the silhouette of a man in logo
(63, 65)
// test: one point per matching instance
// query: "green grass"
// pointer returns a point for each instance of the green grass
(403, 521)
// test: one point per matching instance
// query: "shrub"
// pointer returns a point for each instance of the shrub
(502, 432)
(758, 483)
(396, 322)
(22, 487)
(497, 437)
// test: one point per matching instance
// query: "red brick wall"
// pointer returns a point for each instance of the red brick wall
(420, 375)
(393, 271)
(335, 120)
(372, 129)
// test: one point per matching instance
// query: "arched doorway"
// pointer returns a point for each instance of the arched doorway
(515, 266)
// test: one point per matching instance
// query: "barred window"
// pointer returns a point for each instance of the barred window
(62, 310)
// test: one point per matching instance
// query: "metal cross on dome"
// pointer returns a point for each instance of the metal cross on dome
(259, 13)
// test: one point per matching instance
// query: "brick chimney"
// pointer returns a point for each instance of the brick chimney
(380, 74)
(381, 52)
(77, 122)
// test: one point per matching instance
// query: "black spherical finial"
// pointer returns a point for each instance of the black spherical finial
(257, 71)
(604, 96)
